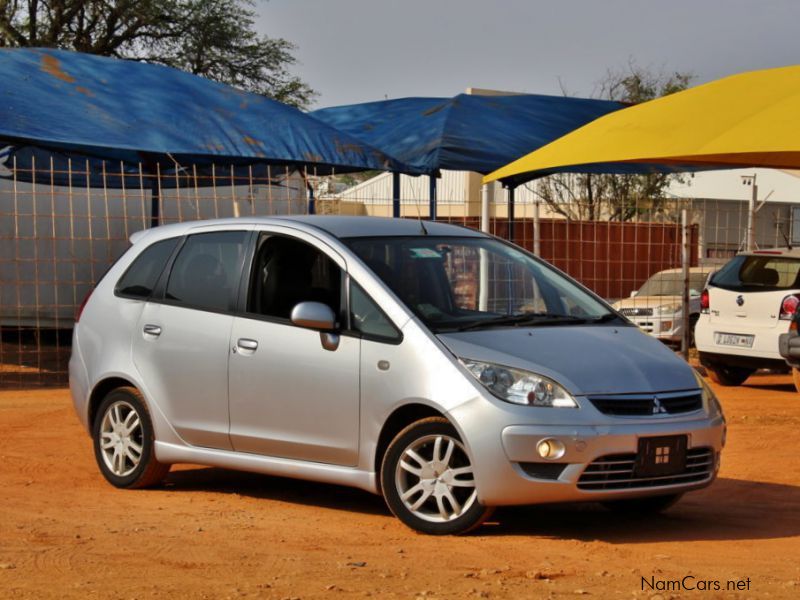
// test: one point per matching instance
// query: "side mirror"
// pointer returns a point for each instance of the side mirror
(633, 293)
(313, 315)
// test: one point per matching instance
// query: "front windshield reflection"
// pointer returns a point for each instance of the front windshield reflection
(464, 283)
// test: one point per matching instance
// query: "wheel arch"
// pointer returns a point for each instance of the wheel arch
(399, 419)
(101, 390)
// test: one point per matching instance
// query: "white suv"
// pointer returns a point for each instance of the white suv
(656, 307)
(747, 305)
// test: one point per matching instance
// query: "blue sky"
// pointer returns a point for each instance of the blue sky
(361, 50)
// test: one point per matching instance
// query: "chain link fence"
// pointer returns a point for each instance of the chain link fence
(64, 222)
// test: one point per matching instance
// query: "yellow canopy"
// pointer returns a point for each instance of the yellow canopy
(746, 120)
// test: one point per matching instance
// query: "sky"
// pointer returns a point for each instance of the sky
(354, 51)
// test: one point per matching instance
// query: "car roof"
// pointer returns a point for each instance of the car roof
(337, 226)
(706, 269)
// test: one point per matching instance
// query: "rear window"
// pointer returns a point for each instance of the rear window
(140, 278)
(206, 272)
(759, 273)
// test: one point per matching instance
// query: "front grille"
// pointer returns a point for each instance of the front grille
(635, 405)
(636, 312)
(616, 472)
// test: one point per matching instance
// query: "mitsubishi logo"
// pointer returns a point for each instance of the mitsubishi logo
(658, 408)
(739, 299)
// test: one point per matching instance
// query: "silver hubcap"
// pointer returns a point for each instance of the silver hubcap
(121, 438)
(434, 479)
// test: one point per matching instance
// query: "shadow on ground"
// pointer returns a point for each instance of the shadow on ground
(731, 509)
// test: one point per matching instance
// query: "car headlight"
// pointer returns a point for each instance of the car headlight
(668, 309)
(709, 397)
(520, 387)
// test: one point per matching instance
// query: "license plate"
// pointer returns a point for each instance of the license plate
(734, 339)
(664, 455)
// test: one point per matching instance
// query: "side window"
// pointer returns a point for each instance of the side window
(142, 275)
(286, 272)
(205, 274)
(368, 319)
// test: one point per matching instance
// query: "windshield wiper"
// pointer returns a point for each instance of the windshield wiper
(533, 319)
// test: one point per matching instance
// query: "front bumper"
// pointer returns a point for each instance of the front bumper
(506, 460)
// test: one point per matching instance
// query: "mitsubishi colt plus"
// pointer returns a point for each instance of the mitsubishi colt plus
(448, 370)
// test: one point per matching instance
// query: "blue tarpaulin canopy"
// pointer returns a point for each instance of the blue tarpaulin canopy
(466, 132)
(121, 110)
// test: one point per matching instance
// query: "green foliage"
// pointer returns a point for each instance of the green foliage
(212, 38)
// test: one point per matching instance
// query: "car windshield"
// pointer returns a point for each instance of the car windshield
(671, 284)
(760, 272)
(455, 283)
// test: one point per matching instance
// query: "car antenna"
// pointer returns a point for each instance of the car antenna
(425, 231)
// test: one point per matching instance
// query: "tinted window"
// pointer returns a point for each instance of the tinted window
(286, 272)
(206, 272)
(367, 318)
(140, 278)
(760, 272)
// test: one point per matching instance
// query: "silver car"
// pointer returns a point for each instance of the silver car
(448, 370)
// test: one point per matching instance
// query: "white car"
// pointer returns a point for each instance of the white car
(747, 305)
(656, 307)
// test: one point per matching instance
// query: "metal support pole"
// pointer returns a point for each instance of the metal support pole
(751, 218)
(396, 195)
(511, 191)
(685, 261)
(537, 246)
(155, 199)
(432, 197)
(486, 200)
(312, 205)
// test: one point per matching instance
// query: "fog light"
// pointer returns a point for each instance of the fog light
(551, 449)
(666, 325)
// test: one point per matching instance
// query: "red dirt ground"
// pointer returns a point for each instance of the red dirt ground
(210, 533)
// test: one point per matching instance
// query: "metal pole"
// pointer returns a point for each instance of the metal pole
(486, 199)
(432, 197)
(751, 218)
(537, 246)
(396, 195)
(312, 207)
(511, 190)
(685, 260)
(155, 199)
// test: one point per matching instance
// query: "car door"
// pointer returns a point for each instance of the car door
(290, 397)
(183, 337)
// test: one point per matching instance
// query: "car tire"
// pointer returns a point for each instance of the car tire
(123, 441)
(729, 376)
(693, 319)
(427, 480)
(643, 506)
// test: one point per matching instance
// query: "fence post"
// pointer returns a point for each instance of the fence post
(155, 197)
(396, 195)
(432, 197)
(685, 260)
(486, 199)
(537, 246)
(511, 190)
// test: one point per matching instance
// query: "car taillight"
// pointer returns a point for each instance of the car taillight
(705, 301)
(789, 307)
(82, 306)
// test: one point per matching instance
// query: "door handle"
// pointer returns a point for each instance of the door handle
(247, 344)
(153, 330)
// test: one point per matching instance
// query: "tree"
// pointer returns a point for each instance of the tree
(587, 196)
(212, 38)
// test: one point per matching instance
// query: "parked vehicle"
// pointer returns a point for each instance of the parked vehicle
(747, 305)
(789, 348)
(657, 307)
(448, 370)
